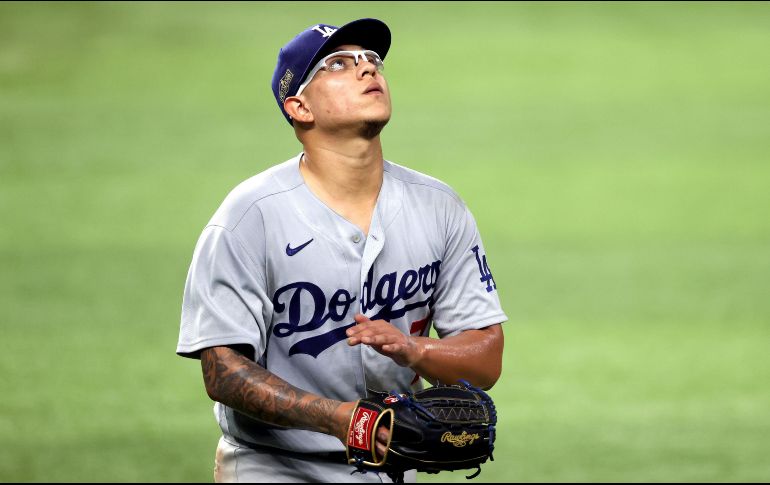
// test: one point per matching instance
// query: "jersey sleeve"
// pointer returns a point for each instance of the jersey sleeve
(466, 293)
(224, 301)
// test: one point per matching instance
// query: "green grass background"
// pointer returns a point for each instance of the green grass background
(616, 157)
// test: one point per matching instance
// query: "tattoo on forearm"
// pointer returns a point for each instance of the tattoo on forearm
(248, 387)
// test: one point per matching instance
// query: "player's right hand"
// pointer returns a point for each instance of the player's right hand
(382, 441)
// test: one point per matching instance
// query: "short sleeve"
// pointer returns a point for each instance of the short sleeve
(224, 301)
(466, 293)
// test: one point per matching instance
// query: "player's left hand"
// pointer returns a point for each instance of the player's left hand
(385, 339)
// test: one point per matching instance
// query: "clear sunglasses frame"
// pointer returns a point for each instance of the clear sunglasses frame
(374, 58)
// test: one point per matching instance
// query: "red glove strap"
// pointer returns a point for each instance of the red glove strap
(360, 433)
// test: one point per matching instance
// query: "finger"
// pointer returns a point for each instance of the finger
(379, 339)
(381, 445)
(366, 336)
(370, 330)
(372, 338)
(393, 348)
(360, 327)
(356, 331)
(383, 434)
(360, 332)
(361, 318)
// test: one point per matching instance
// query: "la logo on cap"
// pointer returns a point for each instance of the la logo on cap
(326, 32)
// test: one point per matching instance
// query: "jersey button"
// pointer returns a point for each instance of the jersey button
(356, 239)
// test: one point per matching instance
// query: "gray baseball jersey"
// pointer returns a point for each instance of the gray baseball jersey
(278, 270)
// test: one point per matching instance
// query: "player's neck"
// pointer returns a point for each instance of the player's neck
(347, 171)
(346, 176)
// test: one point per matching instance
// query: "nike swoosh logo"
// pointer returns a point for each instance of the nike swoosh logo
(292, 251)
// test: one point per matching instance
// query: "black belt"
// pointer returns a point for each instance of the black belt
(339, 457)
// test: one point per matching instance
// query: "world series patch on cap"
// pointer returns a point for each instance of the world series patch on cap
(297, 58)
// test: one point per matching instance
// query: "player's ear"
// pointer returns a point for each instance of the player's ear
(297, 108)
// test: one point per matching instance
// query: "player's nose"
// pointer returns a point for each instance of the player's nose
(366, 67)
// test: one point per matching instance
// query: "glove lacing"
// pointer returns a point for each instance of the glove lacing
(493, 418)
(396, 477)
(359, 464)
(407, 399)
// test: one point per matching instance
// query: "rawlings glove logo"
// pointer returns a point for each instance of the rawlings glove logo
(459, 440)
(361, 431)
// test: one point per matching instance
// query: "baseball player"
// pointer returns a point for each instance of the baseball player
(320, 277)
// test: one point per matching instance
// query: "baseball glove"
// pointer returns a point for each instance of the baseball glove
(439, 428)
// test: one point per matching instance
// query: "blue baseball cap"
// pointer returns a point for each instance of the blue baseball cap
(297, 58)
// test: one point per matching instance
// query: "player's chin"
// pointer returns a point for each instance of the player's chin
(376, 109)
(371, 127)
